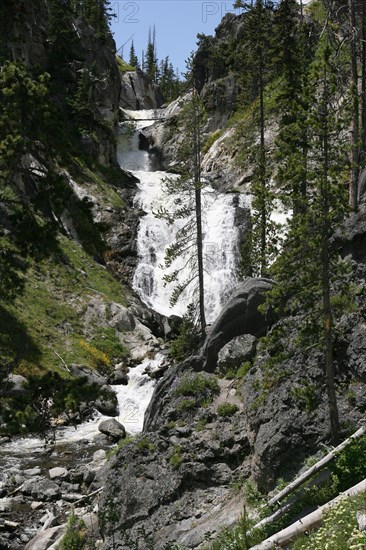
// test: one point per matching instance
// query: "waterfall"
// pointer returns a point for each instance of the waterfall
(155, 235)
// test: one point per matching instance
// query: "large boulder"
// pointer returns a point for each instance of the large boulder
(239, 316)
(112, 429)
(41, 489)
(107, 402)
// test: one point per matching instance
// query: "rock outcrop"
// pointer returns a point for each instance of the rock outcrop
(95, 55)
(172, 484)
(239, 316)
(139, 92)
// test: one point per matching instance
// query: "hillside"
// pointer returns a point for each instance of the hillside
(95, 171)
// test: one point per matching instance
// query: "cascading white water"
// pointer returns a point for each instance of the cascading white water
(133, 400)
(155, 235)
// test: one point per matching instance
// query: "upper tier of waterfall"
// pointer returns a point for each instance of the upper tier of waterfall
(155, 235)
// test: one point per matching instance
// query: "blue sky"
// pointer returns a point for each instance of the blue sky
(177, 24)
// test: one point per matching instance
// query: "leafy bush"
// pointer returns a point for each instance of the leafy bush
(339, 530)
(227, 409)
(188, 404)
(176, 458)
(75, 536)
(243, 369)
(197, 384)
(306, 395)
(187, 340)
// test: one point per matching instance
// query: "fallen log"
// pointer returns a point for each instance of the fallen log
(315, 468)
(284, 508)
(310, 521)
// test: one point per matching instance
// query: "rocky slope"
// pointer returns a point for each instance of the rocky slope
(183, 475)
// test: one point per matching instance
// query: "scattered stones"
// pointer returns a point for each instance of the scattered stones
(58, 473)
(41, 489)
(33, 471)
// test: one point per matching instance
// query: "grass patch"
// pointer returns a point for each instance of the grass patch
(211, 140)
(227, 409)
(196, 384)
(46, 321)
(196, 389)
(176, 459)
(339, 530)
(123, 66)
(120, 445)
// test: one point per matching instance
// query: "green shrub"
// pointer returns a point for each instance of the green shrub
(187, 340)
(176, 458)
(120, 445)
(144, 444)
(240, 537)
(211, 140)
(243, 369)
(196, 384)
(75, 536)
(227, 409)
(306, 395)
(201, 424)
(339, 530)
(188, 404)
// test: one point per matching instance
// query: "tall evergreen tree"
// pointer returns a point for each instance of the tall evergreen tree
(188, 192)
(292, 53)
(151, 62)
(133, 61)
(258, 70)
(355, 132)
(309, 263)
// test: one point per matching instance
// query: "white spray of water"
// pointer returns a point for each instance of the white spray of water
(155, 235)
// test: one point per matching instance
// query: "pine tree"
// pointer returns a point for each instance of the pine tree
(355, 133)
(150, 65)
(292, 56)
(168, 80)
(258, 74)
(134, 62)
(363, 86)
(188, 192)
(62, 35)
(309, 264)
